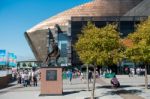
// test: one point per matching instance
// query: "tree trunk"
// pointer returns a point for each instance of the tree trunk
(94, 79)
(146, 78)
(87, 73)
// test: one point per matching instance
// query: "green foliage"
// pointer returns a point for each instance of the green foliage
(18, 64)
(24, 65)
(100, 46)
(30, 65)
(140, 51)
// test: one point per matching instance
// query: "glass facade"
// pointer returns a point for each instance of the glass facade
(126, 25)
(63, 46)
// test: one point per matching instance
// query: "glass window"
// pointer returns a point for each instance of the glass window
(63, 46)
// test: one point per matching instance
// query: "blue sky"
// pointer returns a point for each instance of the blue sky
(17, 16)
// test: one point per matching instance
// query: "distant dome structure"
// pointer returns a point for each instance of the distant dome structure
(37, 36)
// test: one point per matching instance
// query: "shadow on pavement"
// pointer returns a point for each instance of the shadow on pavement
(90, 98)
(70, 92)
(74, 83)
(110, 87)
(144, 86)
(133, 91)
(125, 94)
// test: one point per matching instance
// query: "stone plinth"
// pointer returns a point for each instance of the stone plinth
(51, 81)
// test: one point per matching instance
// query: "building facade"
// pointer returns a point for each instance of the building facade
(67, 25)
(28, 64)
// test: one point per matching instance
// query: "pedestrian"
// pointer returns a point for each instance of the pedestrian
(34, 77)
(22, 77)
(19, 77)
(114, 82)
(138, 71)
(81, 76)
(127, 70)
(26, 79)
(29, 78)
(70, 76)
(90, 76)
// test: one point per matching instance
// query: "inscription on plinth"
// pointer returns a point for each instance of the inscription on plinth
(51, 75)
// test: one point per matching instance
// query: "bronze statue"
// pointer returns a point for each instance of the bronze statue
(52, 57)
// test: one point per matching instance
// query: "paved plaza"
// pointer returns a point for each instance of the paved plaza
(131, 88)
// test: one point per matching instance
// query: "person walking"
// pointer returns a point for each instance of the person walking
(70, 76)
(29, 78)
(82, 77)
(22, 77)
(34, 77)
(90, 76)
(19, 77)
(26, 79)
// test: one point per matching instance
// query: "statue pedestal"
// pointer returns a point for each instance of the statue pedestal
(51, 81)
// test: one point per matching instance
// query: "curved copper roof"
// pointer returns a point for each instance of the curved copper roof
(93, 8)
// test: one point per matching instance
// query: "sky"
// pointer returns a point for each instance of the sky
(17, 16)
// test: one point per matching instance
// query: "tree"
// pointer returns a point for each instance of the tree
(24, 65)
(18, 65)
(98, 46)
(140, 51)
(30, 65)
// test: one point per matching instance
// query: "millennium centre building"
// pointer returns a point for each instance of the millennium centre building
(65, 26)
